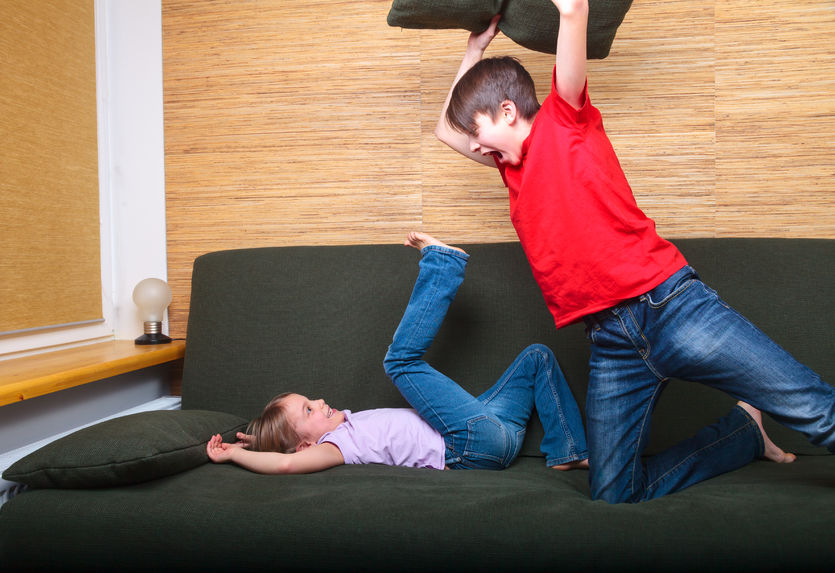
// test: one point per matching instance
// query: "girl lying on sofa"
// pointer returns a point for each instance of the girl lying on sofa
(447, 428)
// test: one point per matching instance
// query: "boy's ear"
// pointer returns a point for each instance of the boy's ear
(508, 111)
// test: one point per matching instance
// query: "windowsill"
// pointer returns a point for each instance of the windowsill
(40, 374)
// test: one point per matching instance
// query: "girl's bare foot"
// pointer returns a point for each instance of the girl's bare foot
(419, 240)
(577, 465)
(772, 451)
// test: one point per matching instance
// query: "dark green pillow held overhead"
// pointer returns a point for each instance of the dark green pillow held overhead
(533, 24)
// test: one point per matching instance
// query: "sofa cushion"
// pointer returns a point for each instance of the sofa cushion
(472, 15)
(534, 25)
(220, 517)
(126, 450)
(530, 23)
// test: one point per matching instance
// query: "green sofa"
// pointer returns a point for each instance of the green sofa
(318, 320)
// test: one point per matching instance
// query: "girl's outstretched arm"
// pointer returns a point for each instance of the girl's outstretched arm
(571, 50)
(311, 459)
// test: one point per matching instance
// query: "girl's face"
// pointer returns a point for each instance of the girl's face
(311, 418)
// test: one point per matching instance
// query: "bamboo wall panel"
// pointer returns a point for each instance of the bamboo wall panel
(311, 122)
(50, 252)
(775, 109)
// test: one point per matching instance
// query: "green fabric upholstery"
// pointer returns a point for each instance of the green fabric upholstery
(318, 320)
(379, 518)
(533, 24)
(126, 450)
(472, 15)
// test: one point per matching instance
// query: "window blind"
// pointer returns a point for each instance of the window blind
(49, 195)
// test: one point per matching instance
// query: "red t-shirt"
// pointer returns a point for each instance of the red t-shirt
(588, 243)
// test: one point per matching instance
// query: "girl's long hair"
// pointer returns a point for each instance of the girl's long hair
(271, 431)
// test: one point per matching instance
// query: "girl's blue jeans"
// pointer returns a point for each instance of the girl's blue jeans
(682, 329)
(484, 432)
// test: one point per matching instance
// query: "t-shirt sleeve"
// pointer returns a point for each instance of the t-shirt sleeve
(563, 111)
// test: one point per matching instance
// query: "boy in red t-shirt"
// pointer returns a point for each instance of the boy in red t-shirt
(597, 258)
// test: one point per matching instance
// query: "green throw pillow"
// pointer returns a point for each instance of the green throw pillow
(472, 15)
(126, 450)
(534, 24)
(530, 23)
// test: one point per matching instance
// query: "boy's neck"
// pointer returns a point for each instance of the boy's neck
(523, 128)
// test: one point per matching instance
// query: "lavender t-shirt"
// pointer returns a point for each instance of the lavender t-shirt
(391, 436)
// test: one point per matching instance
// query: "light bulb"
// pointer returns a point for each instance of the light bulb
(152, 296)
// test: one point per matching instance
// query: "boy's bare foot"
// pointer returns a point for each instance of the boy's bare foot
(577, 465)
(419, 240)
(772, 451)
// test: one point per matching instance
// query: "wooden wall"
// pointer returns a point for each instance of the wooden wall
(310, 122)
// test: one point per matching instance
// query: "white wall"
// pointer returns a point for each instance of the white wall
(136, 151)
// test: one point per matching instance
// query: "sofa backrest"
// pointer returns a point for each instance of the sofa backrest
(318, 321)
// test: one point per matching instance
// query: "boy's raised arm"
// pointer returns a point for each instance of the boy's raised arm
(476, 45)
(571, 50)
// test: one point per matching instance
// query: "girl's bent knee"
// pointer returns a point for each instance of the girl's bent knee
(391, 364)
(395, 365)
(541, 352)
(537, 347)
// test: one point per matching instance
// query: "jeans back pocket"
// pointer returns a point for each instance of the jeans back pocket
(487, 443)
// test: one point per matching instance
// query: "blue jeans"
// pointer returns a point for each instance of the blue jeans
(682, 329)
(484, 432)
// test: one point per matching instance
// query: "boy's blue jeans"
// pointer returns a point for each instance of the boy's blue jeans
(484, 432)
(682, 329)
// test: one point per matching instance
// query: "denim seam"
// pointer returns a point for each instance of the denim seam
(711, 292)
(496, 391)
(576, 457)
(445, 251)
(636, 459)
(572, 444)
(432, 293)
(673, 295)
(418, 391)
(481, 455)
(517, 446)
(648, 348)
(744, 427)
(643, 356)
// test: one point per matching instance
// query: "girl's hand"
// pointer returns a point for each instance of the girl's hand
(479, 42)
(219, 452)
(244, 440)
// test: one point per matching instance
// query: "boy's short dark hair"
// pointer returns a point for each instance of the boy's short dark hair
(483, 88)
